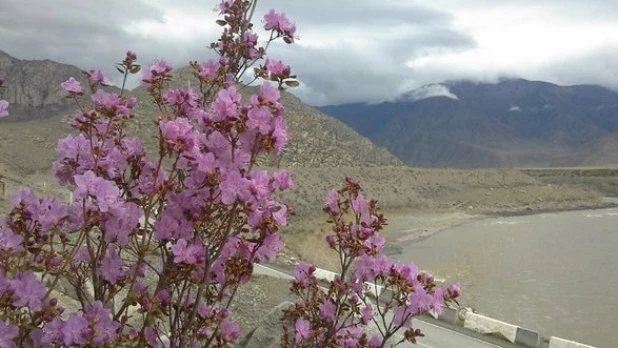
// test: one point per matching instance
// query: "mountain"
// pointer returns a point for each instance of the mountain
(39, 114)
(511, 123)
(33, 88)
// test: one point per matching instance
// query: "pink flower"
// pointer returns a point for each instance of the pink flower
(155, 73)
(421, 301)
(453, 291)
(226, 105)
(269, 93)
(438, 301)
(107, 194)
(375, 342)
(282, 180)
(112, 266)
(327, 310)
(281, 215)
(8, 333)
(303, 330)
(332, 201)
(206, 163)
(106, 101)
(185, 252)
(173, 224)
(304, 273)
(151, 335)
(360, 205)
(179, 134)
(87, 184)
(104, 326)
(259, 183)
(50, 213)
(97, 76)
(279, 22)
(131, 56)
(225, 5)
(4, 107)
(72, 86)
(9, 241)
(366, 313)
(277, 68)
(164, 297)
(280, 134)
(250, 40)
(271, 246)
(234, 187)
(28, 291)
(259, 118)
(230, 331)
(208, 70)
(376, 242)
(75, 331)
(408, 272)
(122, 221)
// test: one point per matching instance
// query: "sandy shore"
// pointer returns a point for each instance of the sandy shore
(414, 225)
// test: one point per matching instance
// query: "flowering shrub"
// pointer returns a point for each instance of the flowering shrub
(337, 316)
(154, 249)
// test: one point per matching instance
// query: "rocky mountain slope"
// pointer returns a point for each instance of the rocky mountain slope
(39, 113)
(511, 123)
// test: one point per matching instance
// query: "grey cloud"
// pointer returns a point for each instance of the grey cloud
(589, 10)
(340, 75)
(90, 34)
(598, 67)
(84, 33)
(361, 12)
(309, 13)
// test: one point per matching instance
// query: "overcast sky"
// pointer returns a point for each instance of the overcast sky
(348, 50)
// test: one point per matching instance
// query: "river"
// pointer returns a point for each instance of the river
(556, 273)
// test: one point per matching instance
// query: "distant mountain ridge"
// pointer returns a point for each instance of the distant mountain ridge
(514, 122)
(39, 112)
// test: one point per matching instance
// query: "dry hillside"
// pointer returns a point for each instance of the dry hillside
(39, 113)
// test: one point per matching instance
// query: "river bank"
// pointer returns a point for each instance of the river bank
(416, 225)
(305, 238)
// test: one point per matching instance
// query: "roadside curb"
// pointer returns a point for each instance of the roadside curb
(555, 342)
(474, 322)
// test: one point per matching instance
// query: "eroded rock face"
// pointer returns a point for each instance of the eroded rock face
(268, 333)
(33, 87)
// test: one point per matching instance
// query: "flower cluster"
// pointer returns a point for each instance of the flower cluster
(153, 246)
(371, 289)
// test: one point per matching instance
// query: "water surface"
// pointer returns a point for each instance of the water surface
(556, 273)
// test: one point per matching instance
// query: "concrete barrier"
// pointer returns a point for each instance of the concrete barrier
(449, 315)
(527, 338)
(486, 325)
(555, 342)
(322, 274)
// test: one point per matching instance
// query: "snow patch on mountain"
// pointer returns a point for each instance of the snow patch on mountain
(428, 91)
